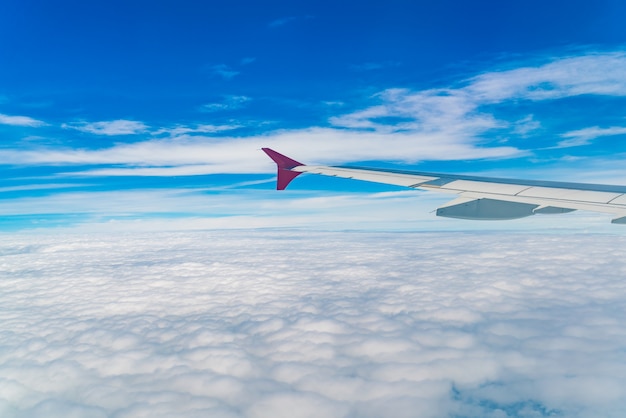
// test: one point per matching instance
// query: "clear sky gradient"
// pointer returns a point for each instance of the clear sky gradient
(153, 113)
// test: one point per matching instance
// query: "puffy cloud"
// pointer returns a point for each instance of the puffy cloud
(110, 128)
(20, 121)
(256, 323)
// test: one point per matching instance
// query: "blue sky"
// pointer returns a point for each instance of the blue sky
(146, 114)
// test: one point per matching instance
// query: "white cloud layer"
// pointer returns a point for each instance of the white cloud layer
(257, 324)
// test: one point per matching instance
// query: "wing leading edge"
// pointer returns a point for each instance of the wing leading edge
(481, 198)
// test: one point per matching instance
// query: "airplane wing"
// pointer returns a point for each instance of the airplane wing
(480, 198)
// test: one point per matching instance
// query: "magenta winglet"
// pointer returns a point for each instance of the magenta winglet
(284, 164)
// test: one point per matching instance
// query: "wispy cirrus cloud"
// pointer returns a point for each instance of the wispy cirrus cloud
(282, 21)
(20, 121)
(287, 20)
(228, 72)
(230, 102)
(224, 71)
(448, 123)
(459, 110)
(587, 135)
(373, 66)
(241, 155)
(197, 129)
(599, 74)
(109, 128)
(48, 186)
(247, 60)
(526, 125)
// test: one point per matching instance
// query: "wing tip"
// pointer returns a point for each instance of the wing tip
(284, 165)
(282, 161)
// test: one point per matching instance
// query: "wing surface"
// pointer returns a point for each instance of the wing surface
(482, 198)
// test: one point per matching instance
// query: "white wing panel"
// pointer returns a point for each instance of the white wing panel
(406, 180)
(620, 200)
(570, 194)
(481, 186)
